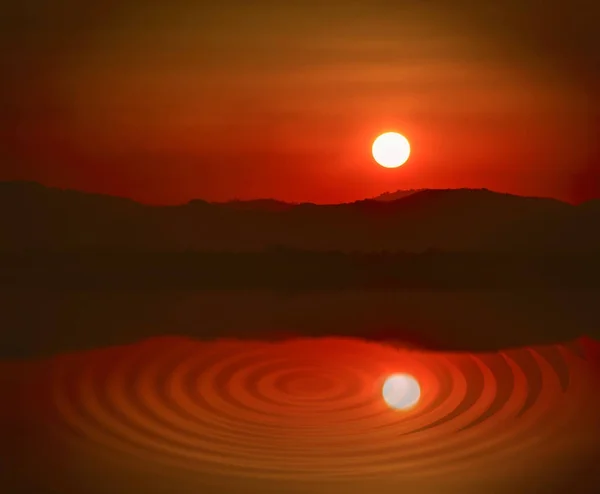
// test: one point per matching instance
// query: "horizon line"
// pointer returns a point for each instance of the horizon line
(294, 203)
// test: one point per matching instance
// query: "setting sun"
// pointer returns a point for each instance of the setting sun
(391, 150)
(401, 391)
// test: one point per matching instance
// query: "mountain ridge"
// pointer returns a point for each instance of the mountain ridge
(33, 216)
(389, 196)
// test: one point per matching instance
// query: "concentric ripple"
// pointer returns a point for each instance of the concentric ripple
(312, 409)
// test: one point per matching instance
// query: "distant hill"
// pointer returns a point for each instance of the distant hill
(36, 217)
(394, 196)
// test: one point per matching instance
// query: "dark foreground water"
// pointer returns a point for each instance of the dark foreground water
(43, 322)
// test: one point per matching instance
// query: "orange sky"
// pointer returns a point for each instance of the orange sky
(168, 102)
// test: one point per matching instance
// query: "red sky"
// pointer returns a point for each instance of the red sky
(164, 102)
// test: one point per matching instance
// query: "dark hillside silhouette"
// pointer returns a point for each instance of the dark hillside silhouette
(66, 253)
(286, 270)
(40, 218)
(258, 205)
(394, 196)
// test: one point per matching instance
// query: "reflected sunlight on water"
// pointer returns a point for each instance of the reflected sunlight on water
(311, 410)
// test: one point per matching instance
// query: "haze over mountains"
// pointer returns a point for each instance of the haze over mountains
(460, 220)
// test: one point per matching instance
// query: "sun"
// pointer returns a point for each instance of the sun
(401, 391)
(391, 150)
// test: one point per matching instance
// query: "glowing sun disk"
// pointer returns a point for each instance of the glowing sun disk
(391, 150)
